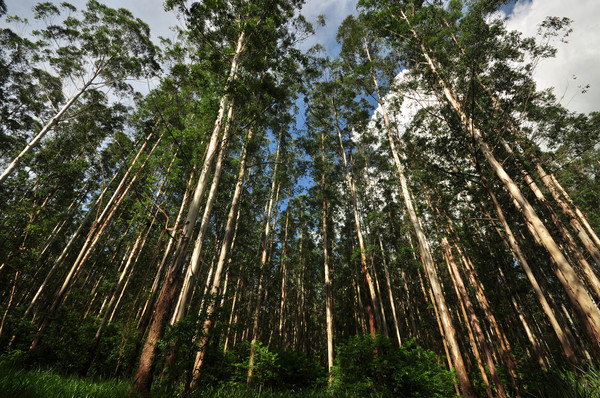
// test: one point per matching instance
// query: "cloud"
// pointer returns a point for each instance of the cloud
(576, 62)
(152, 12)
(335, 11)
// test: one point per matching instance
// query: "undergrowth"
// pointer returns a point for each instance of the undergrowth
(36, 383)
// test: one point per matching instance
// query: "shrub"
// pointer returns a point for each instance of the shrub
(66, 344)
(298, 371)
(367, 367)
(564, 383)
(280, 370)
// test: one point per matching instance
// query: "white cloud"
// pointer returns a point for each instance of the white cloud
(152, 12)
(335, 11)
(576, 62)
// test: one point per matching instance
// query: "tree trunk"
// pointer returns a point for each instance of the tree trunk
(425, 253)
(142, 381)
(388, 282)
(263, 262)
(325, 243)
(226, 246)
(281, 329)
(586, 308)
(192, 270)
(473, 319)
(371, 295)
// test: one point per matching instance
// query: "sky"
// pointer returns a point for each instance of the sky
(577, 62)
(574, 67)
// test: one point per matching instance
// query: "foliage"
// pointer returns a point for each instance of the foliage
(275, 369)
(66, 349)
(560, 382)
(21, 383)
(365, 366)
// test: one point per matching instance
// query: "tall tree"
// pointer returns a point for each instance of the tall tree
(90, 51)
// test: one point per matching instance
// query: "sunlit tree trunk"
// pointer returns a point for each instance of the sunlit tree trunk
(473, 319)
(425, 253)
(372, 295)
(143, 378)
(390, 292)
(282, 303)
(585, 307)
(263, 262)
(586, 268)
(192, 270)
(226, 246)
(325, 244)
(512, 243)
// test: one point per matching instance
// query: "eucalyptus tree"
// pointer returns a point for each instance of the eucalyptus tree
(318, 135)
(361, 51)
(101, 50)
(241, 41)
(462, 58)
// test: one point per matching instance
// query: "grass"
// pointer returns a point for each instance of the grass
(235, 391)
(581, 383)
(19, 383)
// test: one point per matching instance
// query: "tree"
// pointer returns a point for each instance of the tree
(101, 50)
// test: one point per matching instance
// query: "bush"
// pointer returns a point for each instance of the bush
(279, 370)
(564, 383)
(376, 367)
(66, 344)
(298, 371)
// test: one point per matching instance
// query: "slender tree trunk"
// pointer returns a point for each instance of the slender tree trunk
(233, 312)
(10, 300)
(281, 329)
(226, 246)
(425, 253)
(512, 243)
(263, 262)
(325, 243)
(371, 295)
(473, 319)
(190, 276)
(580, 298)
(468, 324)
(146, 312)
(388, 282)
(47, 128)
(586, 268)
(142, 381)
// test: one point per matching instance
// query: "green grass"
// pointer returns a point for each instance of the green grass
(19, 383)
(236, 391)
(581, 383)
(16, 382)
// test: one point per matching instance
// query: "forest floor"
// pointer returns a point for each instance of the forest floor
(19, 383)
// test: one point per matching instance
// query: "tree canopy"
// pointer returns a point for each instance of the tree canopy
(411, 217)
